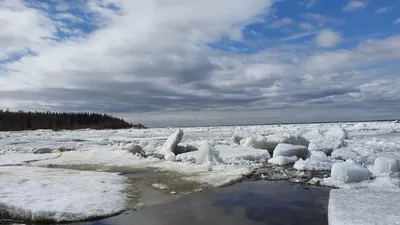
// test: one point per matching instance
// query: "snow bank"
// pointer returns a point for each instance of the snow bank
(30, 193)
(363, 207)
(313, 134)
(348, 173)
(385, 166)
(283, 149)
(337, 132)
(283, 160)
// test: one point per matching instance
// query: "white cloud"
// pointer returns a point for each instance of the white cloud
(68, 16)
(149, 61)
(320, 19)
(306, 26)
(328, 38)
(367, 52)
(62, 6)
(397, 21)
(310, 3)
(281, 22)
(144, 34)
(298, 36)
(235, 33)
(23, 28)
(354, 5)
(386, 9)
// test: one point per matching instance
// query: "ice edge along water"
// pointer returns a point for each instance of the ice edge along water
(357, 153)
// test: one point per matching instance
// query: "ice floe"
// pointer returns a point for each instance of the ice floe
(42, 194)
(363, 207)
(386, 166)
(283, 149)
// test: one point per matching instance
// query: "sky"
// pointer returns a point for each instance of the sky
(192, 63)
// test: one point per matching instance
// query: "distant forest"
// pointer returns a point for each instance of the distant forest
(16, 121)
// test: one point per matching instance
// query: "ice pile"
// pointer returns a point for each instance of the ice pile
(224, 154)
(269, 143)
(328, 141)
(311, 149)
(316, 162)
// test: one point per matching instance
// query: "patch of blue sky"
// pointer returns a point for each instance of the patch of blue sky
(354, 26)
(15, 56)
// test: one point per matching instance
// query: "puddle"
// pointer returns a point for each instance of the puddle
(251, 202)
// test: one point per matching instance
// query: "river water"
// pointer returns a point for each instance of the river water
(250, 202)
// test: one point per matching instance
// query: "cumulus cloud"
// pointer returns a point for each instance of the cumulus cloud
(386, 9)
(328, 38)
(397, 21)
(354, 5)
(143, 60)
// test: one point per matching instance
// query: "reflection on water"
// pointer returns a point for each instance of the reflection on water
(259, 202)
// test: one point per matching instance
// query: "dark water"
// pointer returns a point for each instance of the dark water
(258, 202)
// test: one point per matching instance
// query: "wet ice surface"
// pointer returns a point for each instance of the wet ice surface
(232, 154)
(259, 202)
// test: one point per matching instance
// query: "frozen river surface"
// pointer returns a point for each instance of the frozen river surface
(88, 174)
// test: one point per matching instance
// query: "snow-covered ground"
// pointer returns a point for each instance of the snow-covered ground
(359, 155)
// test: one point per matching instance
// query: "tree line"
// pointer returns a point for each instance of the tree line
(16, 121)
